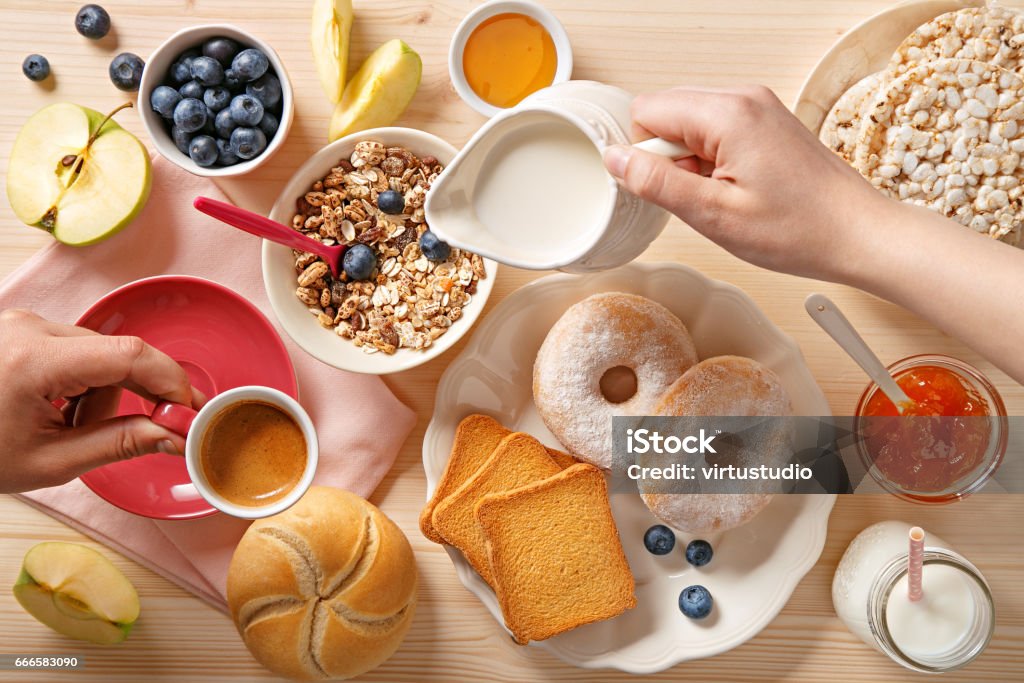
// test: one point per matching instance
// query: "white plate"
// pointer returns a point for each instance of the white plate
(864, 49)
(755, 568)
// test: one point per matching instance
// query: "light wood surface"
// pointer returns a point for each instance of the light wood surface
(636, 44)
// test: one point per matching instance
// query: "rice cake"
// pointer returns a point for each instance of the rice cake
(839, 130)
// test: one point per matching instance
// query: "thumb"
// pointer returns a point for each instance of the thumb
(659, 180)
(85, 447)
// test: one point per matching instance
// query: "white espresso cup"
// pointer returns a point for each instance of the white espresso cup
(193, 426)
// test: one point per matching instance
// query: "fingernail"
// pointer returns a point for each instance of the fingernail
(167, 446)
(615, 159)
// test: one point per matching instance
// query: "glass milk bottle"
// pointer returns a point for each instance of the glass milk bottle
(945, 630)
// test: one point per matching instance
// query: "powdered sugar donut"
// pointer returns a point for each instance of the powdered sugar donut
(600, 333)
(724, 386)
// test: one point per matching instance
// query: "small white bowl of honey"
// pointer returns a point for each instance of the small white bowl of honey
(505, 50)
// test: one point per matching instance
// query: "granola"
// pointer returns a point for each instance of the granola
(408, 301)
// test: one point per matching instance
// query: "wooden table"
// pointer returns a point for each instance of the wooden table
(638, 45)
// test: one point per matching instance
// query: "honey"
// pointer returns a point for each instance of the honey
(508, 57)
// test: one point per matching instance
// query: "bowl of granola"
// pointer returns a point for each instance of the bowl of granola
(403, 297)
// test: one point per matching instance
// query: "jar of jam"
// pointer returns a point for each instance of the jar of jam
(946, 444)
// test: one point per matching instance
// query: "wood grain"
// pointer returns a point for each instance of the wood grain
(639, 45)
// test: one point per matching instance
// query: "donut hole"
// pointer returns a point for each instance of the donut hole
(618, 384)
(728, 451)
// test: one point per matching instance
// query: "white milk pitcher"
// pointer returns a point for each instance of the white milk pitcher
(530, 188)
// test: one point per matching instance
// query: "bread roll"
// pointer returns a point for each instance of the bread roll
(326, 589)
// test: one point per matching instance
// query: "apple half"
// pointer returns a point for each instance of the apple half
(77, 174)
(77, 592)
(379, 92)
(332, 26)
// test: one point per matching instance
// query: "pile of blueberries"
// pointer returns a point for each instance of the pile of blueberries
(222, 102)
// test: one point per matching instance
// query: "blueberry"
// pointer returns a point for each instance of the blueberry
(126, 71)
(181, 138)
(163, 100)
(92, 21)
(193, 89)
(208, 127)
(224, 124)
(250, 64)
(695, 602)
(267, 89)
(233, 81)
(203, 150)
(269, 124)
(246, 110)
(433, 248)
(181, 72)
(36, 67)
(247, 143)
(699, 553)
(190, 115)
(659, 540)
(207, 71)
(188, 55)
(359, 262)
(392, 202)
(225, 157)
(221, 49)
(217, 98)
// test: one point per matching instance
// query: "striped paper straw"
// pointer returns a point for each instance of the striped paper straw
(915, 561)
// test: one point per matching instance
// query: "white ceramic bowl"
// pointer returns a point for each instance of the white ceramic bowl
(279, 265)
(563, 49)
(156, 71)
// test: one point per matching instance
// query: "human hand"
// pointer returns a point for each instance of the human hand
(43, 445)
(760, 185)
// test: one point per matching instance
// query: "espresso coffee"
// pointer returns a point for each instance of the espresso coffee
(253, 453)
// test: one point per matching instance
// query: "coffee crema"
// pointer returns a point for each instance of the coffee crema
(253, 453)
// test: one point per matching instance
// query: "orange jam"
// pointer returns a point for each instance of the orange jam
(508, 57)
(919, 451)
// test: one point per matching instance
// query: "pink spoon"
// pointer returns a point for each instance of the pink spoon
(258, 225)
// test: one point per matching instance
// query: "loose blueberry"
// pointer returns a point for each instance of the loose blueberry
(181, 73)
(163, 100)
(217, 98)
(193, 89)
(659, 540)
(203, 150)
(391, 202)
(225, 157)
(92, 21)
(699, 553)
(247, 143)
(695, 602)
(35, 67)
(224, 124)
(221, 49)
(126, 71)
(267, 89)
(246, 110)
(207, 71)
(433, 248)
(359, 262)
(269, 124)
(233, 81)
(181, 138)
(250, 64)
(190, 115)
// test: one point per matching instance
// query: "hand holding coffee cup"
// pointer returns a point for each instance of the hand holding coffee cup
(251, 451)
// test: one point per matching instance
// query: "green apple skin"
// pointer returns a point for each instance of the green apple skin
(112, 187)
(77, 592)
(379, 92)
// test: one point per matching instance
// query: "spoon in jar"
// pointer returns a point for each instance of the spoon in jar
(831, 319)
(261, 226)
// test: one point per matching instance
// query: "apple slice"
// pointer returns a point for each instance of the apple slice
(77, 174)
(332, 26)
(380, 91)
(76, 591)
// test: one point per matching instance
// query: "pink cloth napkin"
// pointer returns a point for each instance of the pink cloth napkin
(172, 237)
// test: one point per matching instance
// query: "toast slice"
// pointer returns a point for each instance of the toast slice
(475, 439)
(555, 554)
(518, 460)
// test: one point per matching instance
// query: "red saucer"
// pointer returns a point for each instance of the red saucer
(221, 339)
